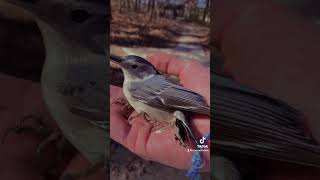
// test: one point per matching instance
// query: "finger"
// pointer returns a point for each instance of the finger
(134, 137)
(131, 139)
(201, 127)
(186, 70)
(167, 64)
(119, 126)
(115, 93)
(165, 149)
(138, 136)
(142, 139)
(170, 64)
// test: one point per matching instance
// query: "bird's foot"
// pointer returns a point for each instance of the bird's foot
(121, 100)
(85, 173)
(37, 126)
(135, 116)
(125, 109)
(148, 118)
(160, 130)
(161, 127)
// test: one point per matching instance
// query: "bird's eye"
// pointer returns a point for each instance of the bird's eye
(79, 15)
(134, 66)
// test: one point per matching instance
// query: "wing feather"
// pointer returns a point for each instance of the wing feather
(161, 93)
(85, 93)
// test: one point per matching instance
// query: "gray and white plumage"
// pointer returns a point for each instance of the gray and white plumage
(146, 85)
(160, 93)
(75, 70)
(152, 93)
(250, 122)
(87, 95)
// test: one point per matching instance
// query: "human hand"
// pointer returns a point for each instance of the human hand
(19, 159)
(163, 147)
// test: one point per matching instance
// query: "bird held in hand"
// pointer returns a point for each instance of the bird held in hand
(157, 98)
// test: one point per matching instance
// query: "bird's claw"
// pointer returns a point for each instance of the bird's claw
(161, 127)
(122, 101)
(125, 109)
(161, 130)
(135, 116)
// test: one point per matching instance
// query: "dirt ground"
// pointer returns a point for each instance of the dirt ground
(138, 30)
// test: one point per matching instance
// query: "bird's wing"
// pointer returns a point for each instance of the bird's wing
(159, 92)
(248, 121)
(85, 93)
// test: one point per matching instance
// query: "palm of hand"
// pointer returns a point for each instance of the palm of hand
(162, 147)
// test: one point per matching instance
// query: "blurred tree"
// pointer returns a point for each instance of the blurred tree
(188, 10)
(205, 12)
(152, 9)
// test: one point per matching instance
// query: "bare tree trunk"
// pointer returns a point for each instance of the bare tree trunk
(205, 13)
(139, 5)
(128, 4)
(121, 4)
(136, 5)
(152, 9)
(149, 5)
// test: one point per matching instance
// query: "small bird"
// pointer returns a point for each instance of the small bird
(158, 99)
(75, 74)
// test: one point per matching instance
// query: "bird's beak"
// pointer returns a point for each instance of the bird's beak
(116, 59)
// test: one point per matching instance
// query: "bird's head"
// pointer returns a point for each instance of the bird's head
(135, 68)
(84, 22)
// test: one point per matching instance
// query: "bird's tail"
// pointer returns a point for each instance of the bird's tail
(184, 133)
(247, 121)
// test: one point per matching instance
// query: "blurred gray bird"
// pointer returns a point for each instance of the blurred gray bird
(74, 76)
(151, 94)
(249, 122)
